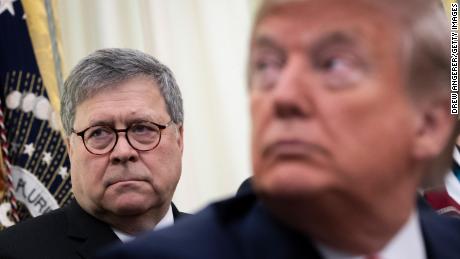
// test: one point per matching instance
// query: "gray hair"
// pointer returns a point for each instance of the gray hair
(105, 68)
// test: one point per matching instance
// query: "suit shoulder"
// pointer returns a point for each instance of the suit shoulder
(441, 234)
(32, 234)
(446, 227)
(191, 236)
(48, 222)
(214, 220)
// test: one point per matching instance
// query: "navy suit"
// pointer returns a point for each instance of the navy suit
(242, 227)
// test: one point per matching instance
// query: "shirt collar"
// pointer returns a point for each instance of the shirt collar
(407, 243)
(166, 221)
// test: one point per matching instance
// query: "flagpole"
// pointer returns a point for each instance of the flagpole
(54, 44)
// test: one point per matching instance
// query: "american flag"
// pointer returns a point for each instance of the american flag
(34, 154)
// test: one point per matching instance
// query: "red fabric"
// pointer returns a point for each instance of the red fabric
(442, 202)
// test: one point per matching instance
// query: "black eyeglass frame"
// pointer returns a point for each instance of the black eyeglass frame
(125, 130)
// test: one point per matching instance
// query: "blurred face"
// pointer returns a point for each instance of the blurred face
(125, 181)
(329, 110)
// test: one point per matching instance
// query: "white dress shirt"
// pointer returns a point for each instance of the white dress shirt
(166, 221)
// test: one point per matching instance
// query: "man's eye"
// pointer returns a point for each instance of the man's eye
(337, 64)
(262, 65)
(99, 132)
(265, 71)
(143, 128)
(266, 63)
(340, 69)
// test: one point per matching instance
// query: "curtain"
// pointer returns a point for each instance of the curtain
(205, 43)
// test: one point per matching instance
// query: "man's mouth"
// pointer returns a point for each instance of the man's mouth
(123, 180)
(291, 149)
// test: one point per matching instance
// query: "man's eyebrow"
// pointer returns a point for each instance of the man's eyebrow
(334, 38)
(131, 120)
(142, 119)
(264, 41)
(100, 122)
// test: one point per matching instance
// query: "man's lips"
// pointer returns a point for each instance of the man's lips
(291, 149)
(123, 180)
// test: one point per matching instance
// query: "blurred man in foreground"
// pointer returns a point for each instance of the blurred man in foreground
(122, 114)
(350, 103)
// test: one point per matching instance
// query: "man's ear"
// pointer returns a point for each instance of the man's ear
(67, 145)
(434, 129)
(180, 138)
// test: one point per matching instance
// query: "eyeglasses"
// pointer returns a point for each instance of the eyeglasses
(142, 136)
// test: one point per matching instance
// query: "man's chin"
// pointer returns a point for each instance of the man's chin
(291, 181)
(129, 205)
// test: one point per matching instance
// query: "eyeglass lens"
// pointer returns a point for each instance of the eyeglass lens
(141, 136)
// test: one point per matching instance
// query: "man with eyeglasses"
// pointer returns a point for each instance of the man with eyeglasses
(122, 113)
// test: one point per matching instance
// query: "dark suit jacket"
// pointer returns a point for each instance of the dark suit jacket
(65, 233)
(242, 227)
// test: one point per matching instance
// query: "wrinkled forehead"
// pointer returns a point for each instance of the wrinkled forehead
(298, 24)
(338, 10)
(303, 24)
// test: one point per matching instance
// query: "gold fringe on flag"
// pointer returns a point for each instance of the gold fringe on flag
(44, 33)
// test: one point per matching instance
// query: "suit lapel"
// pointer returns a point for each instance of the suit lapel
(87, 234)
(176, 213)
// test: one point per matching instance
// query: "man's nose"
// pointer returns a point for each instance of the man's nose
(291, 93)
(123, 152)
